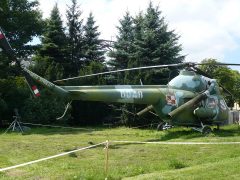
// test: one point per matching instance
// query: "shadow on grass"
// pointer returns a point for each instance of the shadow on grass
(179, 133)
(191, 134)
(228, 132)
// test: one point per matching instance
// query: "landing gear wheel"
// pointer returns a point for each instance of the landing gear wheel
(217, 128)
(206, 130)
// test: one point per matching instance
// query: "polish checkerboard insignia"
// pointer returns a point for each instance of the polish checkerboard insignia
(171, 99)
(223, 105)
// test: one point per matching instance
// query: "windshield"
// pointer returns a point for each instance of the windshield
(188, 81)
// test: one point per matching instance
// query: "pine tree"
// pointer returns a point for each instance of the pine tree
(75, 38)
(92, 48)
(53, 45)
(160, 44)
(123, 47)
(155, 44)
(138, 31)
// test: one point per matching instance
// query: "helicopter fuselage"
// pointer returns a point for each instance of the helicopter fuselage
(164, 99)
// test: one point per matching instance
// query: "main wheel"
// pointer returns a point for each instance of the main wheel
(206, 130)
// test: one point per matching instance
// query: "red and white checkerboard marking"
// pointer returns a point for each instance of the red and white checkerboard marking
(35, 91)
(171, 99)
(1, 35)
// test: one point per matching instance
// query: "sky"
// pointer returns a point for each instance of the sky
(207, 28)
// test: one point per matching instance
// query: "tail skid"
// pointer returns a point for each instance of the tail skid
(67, 107)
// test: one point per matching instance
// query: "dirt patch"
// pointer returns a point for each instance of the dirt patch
(15, 173)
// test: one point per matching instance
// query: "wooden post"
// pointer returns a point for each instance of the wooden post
(106, 159)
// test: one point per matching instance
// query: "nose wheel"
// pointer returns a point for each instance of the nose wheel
(206, 130)
(163, 126)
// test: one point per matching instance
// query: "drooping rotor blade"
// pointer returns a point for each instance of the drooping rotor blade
(199, 71)
(4, 44)
(124, 70)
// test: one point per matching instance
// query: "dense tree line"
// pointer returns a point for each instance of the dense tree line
(75, 49)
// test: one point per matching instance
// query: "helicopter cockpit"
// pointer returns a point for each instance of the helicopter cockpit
(189, 81)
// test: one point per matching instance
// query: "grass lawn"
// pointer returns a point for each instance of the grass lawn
(126, 160)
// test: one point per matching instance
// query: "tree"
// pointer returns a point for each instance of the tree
(210, 67)
(138, 31)
(123, 47)
(155, 44)
(92, 48)
(44, 109)
(236, 86)
(53, 50)
(226, 77)
(21, 20)
(14, 92)
(75, 38)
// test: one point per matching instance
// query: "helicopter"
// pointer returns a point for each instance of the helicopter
(191, 99)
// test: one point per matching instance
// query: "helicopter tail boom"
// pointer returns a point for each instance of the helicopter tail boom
(116, 93)
(46, 83)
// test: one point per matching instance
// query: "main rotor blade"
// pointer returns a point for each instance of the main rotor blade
(219, 64)
(123, 70)
(199, 71)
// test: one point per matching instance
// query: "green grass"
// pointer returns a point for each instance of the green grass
(126, 160)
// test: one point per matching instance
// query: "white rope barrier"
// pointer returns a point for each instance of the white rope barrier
(176, 143)
(50, 157)
(107, 143)
(64, 127)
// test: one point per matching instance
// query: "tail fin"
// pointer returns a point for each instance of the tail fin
(46, 83)
(29, 75)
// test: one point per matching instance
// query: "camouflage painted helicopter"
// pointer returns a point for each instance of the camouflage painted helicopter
(189, 99)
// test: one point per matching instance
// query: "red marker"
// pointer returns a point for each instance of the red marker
(35, 91)
(1, 35)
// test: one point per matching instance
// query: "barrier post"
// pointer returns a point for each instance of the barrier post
(106, 159)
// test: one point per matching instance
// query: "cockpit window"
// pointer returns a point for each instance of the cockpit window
(189, 82)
